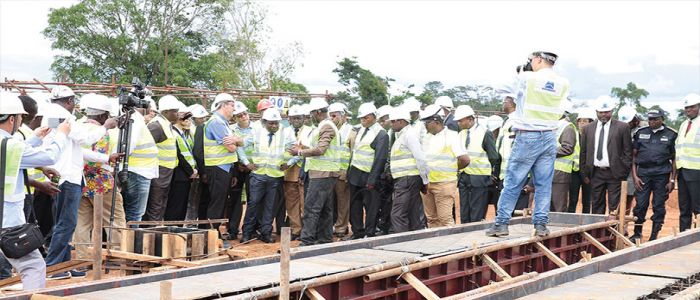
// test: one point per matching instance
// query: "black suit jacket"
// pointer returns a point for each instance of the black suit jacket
(619, 149)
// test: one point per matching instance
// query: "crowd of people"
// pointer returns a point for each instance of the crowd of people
(391, 170)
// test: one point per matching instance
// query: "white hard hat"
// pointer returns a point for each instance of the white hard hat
(295, 111)
(168, 102)
(399, 114)
(494, 122)
(61, 91)
(41, 108)
(55, 111)
(605, 103)
(411, 104)
(463, 111)
(10, 104)
(271, 114)
(431, 110)
(114, 106)
(337, 107)
(444, 101)
(181, 107)
(366, 109)
(383, 110)
(223, 97)
(316, 104)
(239, 108)
(691, 99)
(626, 113)
(566, 106)
(586, 113)
(95, 104)
(198, 111)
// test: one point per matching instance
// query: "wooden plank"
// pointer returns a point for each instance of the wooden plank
(622, 209)
(149, 243)
(595, 243)
(312, 293)
(495, 267)
(166, 246)
(187, 222)
(166, 290)
(284, 264)
(49, 297)
(197, 245)
(148, 258)
(179, 245)
(127, 243)
(425, 291)
(212, 239)
(623, 238)
(97, 238)
(50, 270)
(161, 269)
(553, 257)
(213, 260)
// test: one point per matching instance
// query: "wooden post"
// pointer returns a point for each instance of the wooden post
(149, 243)
(553, 257)
(166, 290)
(197, 246)
(97, 238)
(495, 267)
(420, 287)
(212, 238)
(595, 242)
(622, 209)
(284, 263)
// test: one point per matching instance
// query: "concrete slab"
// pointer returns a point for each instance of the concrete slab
(677, 263)
(603, 286)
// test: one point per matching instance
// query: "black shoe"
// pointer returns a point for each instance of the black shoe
(637, 233)
(295, 237)
(304, 244)
(77, 274)
(655, 228)
(497, 230)
(267, 238)
(245, 239)
(541, 230)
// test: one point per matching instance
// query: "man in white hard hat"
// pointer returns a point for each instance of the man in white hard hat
(409, 170)
(412, 105)
(383, 117)
(70, 164)
(384, 184)
(446, 156)
(540, 93)
(606, 156)
(19, 156)
(687, 162)
(369, 155)
(323, 167)
(199, 114)
(568, 150)
(152, 110)
(161, 128)
(293, 186)
(445, 102)
(268, 165)
(629, 115)
(484, 165)
(338, 114)
(585, 116)
(186, 170)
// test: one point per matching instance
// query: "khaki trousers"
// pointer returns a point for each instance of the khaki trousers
(342, 196)
(294, 202)
(438, 203)
(83, 230)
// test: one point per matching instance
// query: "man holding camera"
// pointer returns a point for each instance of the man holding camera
(540, 92)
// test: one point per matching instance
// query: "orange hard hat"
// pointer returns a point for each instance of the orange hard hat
(264, 104)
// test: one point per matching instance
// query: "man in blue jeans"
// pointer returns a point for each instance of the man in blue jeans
(143, 166)
(540, 93)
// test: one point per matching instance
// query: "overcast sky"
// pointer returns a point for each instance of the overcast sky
(601, 44)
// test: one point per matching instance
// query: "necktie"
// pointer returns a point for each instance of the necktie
(269, 140)
(466, 144)
(296, 132)
(392, 138)
(690, 123)
(601, 137)
(363, 134)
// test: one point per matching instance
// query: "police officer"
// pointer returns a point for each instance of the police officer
(653, 157)
(687, 162)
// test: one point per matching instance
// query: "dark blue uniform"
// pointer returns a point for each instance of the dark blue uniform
(653, 163)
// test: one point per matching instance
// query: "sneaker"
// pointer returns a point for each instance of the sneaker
(497, 230)
(541, 230)
(77, 274)
(59, 276)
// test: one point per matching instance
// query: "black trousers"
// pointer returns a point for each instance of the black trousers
(405, 209)
(235, 203)
(601, 182)
(364, 207)
(688, 200)
(576, 185)
(386, 189)
(652, 184)
(318, 211)
(218, 185)
(178, 197)
(473, 201)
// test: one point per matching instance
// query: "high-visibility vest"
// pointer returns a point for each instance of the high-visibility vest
(577, 153)
(167, 153)
(402, 162)
(688, 146)
(479, 163)
(24, 133)
(144, 154)
(248, 147)
(543, 94)
(442, 161)
(505, 145)
(13, 159)
(268, 157)
(344, 149)
(363, 154)
(185, 146)
(304, 131)
(330, 160)
(215, 154)
(566, 163)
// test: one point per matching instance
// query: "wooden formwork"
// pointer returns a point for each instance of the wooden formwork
(170, 242)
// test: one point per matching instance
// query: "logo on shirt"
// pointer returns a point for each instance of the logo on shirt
(549, 86)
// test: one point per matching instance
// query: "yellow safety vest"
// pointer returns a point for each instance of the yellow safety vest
(566, 163)
(167, 153)
(330, 160)
(248, 147)
(344, 149)
(479, 163)
(144, 154)
(363, 154)
(688, 146)
(268, 157)
(442, 161)
(402, 162)
(15, 149)
(24, 133)
(185, 147)
(505, 145)
(215, 154)
(542, 97)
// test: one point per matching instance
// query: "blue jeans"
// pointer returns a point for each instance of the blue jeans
(65, 220)
(135, 195)
(263, 191)
(533, 153)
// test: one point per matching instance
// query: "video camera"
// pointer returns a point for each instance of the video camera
(133, 98)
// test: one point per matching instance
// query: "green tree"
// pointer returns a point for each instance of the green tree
(630, 94)
(362, 85)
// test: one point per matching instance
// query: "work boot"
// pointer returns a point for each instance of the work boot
(541, 230)
(497, 230)
(637, 233)
(655, 228)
